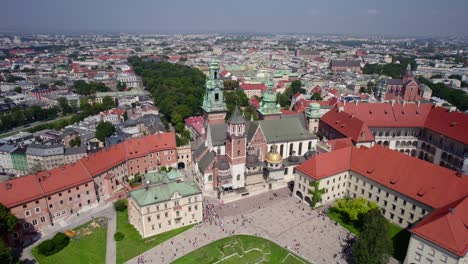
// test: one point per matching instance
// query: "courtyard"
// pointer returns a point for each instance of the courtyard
(274, 216)
(87, 246)
(240, 249)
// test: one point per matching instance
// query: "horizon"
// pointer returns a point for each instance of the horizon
(399, 18)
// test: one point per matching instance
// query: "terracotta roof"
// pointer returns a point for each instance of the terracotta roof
(30, 187)
(447, 227)
(450, 124)
(101, 161)
(253, 86)
(328, 164)
(425, 182)
(19, 190)
(348, 125)
(60, 179)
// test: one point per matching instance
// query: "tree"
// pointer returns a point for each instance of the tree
(120, 205)
(316, 96)
(125, 116)
(103, 130)
(8, 221)
(63, 105)
(6, 255)
(76, 142)
(121, 86)
(316, 193)
(455, 76)
(373, 245)
(354, 209)
(18, 89)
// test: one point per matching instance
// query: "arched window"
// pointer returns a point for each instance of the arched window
(300, 149)
(210, 177)
(238, 177)
(281, 149)
(238, 153)
(309, 147)
(216, 75)
(291, 149)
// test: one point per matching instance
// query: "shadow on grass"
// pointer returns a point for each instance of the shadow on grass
(400, 244)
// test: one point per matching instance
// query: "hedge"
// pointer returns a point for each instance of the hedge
(54, 245)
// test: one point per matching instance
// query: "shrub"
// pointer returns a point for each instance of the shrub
(54, 245)
(46, 248)
(118, 236)
(61, 241)
(120, 205)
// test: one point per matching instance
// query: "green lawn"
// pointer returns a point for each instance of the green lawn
(240, 249)
(133, 244)
(89, 248)
(400, 237)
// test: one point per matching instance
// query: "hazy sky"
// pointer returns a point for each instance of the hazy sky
(395, 17)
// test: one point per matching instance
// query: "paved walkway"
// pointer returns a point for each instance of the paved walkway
(275, 216)
(111, 247)
(105, 210)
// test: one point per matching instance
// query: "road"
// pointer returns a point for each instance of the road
(31, 125)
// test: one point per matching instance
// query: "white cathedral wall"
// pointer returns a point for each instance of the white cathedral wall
(238, 169)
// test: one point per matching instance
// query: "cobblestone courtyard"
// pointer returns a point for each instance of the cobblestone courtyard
(275, 216)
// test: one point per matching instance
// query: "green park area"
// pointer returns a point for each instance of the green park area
(238, 250)
(87, 245)
(133, 244)
(398, 236)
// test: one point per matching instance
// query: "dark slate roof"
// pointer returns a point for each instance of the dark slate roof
(394, 82)
(206, 160)
(236, 117)
(199, 149)
(285, 129)
(218, 134)
(223, 165)
(250, 128)
(346, 63)
(76, 150)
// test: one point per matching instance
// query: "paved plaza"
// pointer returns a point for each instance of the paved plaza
(275, 216)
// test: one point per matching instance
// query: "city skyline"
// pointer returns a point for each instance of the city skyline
(396, 18)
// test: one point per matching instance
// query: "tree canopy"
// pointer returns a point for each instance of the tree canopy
(454, 96)
(8, 221)
(103, 130)
(354, 209)
(83, 88)
(373, 245)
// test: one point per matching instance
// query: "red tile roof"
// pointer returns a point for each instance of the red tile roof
(31, 187)
(450, 124)
(447, 227)
(328, 164)
(20, 190)
(63, 178)
(425, 182)
(348, 125)
(438, 119)
(253, 86)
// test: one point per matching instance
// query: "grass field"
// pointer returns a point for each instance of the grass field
(133, 244)
(90, 248)
(238, 250)
(399, 236)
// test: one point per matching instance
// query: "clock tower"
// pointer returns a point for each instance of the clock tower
(214, 108)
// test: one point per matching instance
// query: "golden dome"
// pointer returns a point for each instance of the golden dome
(273, 156)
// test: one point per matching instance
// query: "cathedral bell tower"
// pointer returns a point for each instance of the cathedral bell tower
(214, 108)
(236, 148)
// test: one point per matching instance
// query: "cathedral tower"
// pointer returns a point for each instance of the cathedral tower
(236, 145)
(214, 108)
(269, 108)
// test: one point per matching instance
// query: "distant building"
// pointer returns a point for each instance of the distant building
(166, 201)
(44, 157)
(346, 66)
